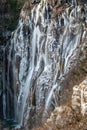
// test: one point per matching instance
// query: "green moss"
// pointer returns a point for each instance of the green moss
(85, 48)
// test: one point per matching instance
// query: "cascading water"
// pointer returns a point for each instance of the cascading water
(4, 85)
(40, 53)
(35, 57)
(70, 41)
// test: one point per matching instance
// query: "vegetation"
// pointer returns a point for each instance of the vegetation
(15, 7)
(16, 4)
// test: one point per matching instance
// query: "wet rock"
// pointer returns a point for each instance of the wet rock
(47, 57)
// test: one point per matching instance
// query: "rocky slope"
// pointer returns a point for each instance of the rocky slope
(47, 57)
(72, 116)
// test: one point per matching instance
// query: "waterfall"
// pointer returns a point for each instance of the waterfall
(69, 43)
(25, 92)
(4, 85)
(50, 96)
(33, 66)
(40, 54)
(8, 82)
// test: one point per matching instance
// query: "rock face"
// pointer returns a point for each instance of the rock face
(47, 57)
(79, 97)
(74, 115)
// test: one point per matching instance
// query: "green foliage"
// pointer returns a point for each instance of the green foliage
(14, 5)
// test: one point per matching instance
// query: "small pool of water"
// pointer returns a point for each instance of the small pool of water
(8, 123)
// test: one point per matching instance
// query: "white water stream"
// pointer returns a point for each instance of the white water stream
(44, 52)
(4, 84)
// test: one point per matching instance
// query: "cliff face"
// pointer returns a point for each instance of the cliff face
(72, 116)
(47, 57)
